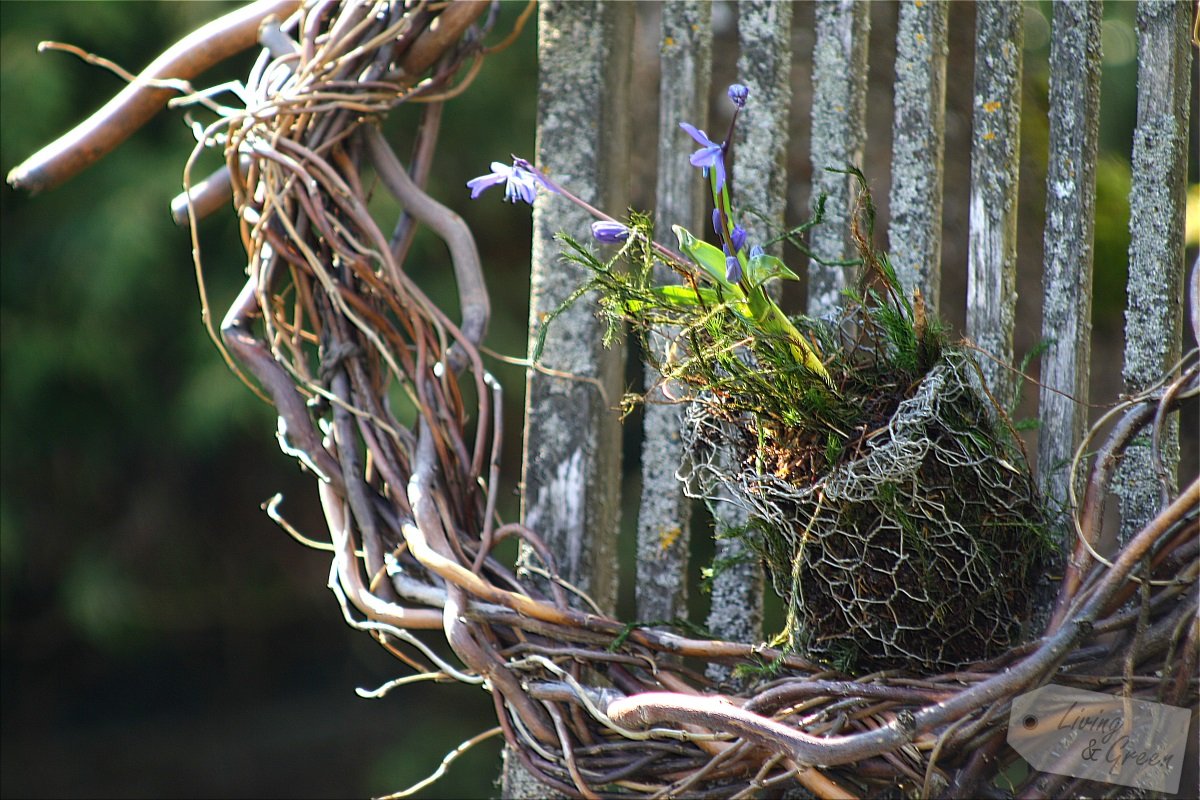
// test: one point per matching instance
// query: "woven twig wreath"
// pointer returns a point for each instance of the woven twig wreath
(330, 328)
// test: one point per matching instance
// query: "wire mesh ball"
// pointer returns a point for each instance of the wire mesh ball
(922, 551)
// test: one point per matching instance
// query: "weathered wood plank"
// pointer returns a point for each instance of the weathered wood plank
(1154, 316)
(918, 146)
(838, 136)
(760, 177)
(572, 450)
(1070, 221)
(572, 461)
(995, 172)
(664, 514)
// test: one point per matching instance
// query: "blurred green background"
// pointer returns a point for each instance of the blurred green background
(160, 635)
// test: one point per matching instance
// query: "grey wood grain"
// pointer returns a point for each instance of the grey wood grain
(572, 449)
(995, 171)
(760, 184)
(838, 136)
(664, 513)
(1154, 315)
(1070, 222)
(918, 145)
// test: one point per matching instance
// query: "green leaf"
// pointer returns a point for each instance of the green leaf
(762, 268)
(682, 295)
(710, 259)
(761, 308)
(676, 296)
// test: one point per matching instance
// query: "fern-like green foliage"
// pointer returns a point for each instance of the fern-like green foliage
(787, 379)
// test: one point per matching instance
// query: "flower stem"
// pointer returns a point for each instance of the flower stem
(662, 250)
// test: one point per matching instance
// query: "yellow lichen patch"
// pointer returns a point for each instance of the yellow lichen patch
(987, 137)
(992, 106)
(669, 536)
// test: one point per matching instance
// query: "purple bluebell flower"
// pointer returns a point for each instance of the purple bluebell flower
(738, 238)
(733, 269)
(519, 183)
(738, 93)
(757, 251)
(709, 155)
(610, 232)
(717, 221)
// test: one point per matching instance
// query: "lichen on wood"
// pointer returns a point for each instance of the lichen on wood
(764, 65)
(1070, 221)
(838, 136)
(918, 139)
(1153, 317)
(572, 450)
(995, 173)
(572, 436)
(664, 515)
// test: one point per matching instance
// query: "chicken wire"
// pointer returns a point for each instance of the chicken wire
(923, 552)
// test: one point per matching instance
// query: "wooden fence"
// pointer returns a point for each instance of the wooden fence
(572, 465)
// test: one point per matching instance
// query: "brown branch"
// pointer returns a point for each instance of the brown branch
(1137, 415)
(451, 24)
(203, 198)
(137, 103)
(714, 714)
(297, 426)
(426, 533)
(717, 714)
(1092, 507)
(468, 271)
(422, 160)
(349, 577)
(784, 694)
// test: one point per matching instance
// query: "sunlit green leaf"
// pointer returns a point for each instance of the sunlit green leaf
(708, 258)
(686, 295)
(763, 267)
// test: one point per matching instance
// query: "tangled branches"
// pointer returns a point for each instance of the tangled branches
(347, 347)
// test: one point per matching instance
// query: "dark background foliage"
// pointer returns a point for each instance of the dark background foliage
(160, 635)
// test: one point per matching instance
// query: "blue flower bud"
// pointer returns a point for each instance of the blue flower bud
(733, 269)
(738, 238)
(610, 232)
(738, 94)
